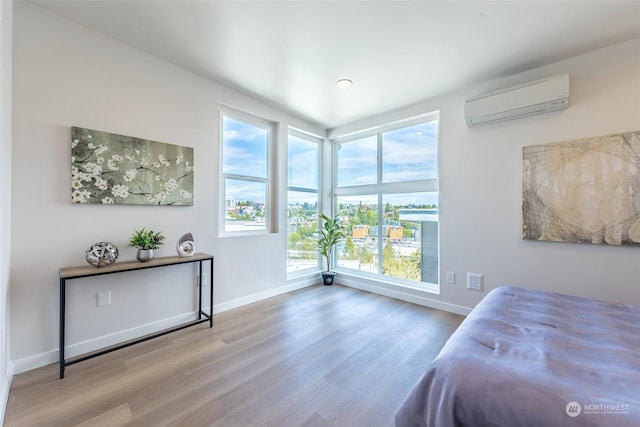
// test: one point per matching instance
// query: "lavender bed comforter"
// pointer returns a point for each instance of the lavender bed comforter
(531, 358)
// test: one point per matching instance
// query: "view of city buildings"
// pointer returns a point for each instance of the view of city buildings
(402, 240)
(244, 215)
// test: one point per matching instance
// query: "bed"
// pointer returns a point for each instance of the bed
(526, 357)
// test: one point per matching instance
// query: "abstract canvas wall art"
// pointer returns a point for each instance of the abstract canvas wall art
(584, 190)
(107, 168)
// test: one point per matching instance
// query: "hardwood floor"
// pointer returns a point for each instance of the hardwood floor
(320, 356)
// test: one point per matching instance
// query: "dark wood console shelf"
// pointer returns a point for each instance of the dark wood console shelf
(70, 273)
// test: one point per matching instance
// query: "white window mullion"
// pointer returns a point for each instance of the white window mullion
(381, 229)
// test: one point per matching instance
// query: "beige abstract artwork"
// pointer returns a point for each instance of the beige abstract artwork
(584, 190)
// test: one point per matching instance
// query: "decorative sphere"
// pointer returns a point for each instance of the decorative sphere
(101, 254)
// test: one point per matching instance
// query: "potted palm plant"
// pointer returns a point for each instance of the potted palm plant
(331, 232)
(146, 241)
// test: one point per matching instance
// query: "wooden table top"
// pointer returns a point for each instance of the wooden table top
(90, 270)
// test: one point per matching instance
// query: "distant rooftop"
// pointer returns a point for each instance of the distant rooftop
(419, 214)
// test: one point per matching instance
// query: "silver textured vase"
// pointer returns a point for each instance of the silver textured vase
(145, 255)
(186, 246)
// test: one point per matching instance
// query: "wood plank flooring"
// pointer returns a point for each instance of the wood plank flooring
(320, 356)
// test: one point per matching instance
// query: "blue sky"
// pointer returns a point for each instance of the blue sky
(244, 152)
(303, 163)
(408, 154)
(244, 148)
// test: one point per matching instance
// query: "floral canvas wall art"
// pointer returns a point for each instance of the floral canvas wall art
(585, 190)
(107, 168)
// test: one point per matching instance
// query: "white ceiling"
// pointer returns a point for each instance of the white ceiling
(291, 53)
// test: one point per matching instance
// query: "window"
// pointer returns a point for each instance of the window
(302, 201)
(246, 148)
(386, 194)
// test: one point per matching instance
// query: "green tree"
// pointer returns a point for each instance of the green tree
(365, 255)
(349, 249)
(308, 248)
(293, 240)
(307, 231)
(402, 267)
(371, 217)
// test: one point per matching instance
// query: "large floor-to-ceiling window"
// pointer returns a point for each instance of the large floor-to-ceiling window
(386, 195)
(303, 161)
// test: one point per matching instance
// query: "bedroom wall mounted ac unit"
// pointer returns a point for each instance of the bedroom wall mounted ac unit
(540, 96)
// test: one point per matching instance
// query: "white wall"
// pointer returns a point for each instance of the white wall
(66, 75)
(481, 186)
(6, 20)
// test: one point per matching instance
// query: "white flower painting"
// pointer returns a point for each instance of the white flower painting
(107, 168)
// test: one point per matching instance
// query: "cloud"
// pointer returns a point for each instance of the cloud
(239, 190)
(244, 149)
(303, 169)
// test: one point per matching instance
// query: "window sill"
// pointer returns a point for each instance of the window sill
(304, 274)
(391, 284)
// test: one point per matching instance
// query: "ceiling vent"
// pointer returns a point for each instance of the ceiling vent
(540, 96)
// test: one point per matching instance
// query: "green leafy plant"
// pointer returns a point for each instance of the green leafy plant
(331, 233)
(146, 239)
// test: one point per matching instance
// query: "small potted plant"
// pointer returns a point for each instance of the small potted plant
(331, 233)
(146, 241)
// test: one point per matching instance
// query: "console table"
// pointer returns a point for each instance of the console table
(70, 273)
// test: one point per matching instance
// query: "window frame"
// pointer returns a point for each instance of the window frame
(270, 208)
(380, 189)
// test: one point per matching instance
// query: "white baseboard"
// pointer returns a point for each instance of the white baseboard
(35, 361)
(4, 394)
(291, 286)
(398, 292)
(72, 350)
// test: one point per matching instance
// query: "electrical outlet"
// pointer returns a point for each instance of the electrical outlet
(450, 277)
(475, 281)
(104, 298)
